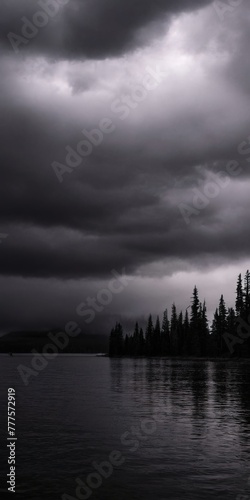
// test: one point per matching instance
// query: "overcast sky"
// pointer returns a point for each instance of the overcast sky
(166, 83)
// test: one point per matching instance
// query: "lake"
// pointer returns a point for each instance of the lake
(166, 429)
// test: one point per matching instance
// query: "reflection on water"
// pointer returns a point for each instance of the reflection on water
(78, 410)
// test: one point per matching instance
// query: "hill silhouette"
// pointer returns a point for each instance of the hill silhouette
(25, 341)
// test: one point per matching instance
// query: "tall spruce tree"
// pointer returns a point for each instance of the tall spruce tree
(231, 323)
(214, 330)
(245, 348)
(186, 328)
(195, 348)
(126, 350)
(180, 334)
(174, 332)
(219, 327)
(239, 303)
(136, 341)
(204, 331)
(165, 335)
(157, 338)
(116, 344)
(149, 336)
(246, 295)
(222, 325)
(215, 322)
(141, 342)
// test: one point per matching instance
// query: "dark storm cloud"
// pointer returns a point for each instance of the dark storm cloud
(134, 236)
(95, 29)
(114, 210)
(121, 207)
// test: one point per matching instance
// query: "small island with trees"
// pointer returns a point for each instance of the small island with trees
(189, 335)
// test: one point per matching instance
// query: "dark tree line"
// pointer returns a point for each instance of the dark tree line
(189, 334)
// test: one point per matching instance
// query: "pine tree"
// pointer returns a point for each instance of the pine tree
(174, 332)
(239, 303)
(223, 313)
(141, 343)
(116, 344)
(245, 349)
(215, 323)
(149, 336)
(165, 335)
(214, 333)
(246, 295)
(186, 330)
(214, 328)
(195, 307)
(156, 348)
(136, 341)
(180, 334)
(231, 323)
(219, 327)
(126, 346)
(204, 332)
(195, 348)
(222, 325)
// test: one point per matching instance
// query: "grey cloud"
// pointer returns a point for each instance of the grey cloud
(95, 29)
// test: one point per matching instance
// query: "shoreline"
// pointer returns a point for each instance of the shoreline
(104, 355)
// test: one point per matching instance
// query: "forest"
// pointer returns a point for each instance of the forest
(189, 334)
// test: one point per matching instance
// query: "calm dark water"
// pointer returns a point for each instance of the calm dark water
(181, 427)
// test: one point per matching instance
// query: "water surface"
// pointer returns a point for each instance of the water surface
(181, 427)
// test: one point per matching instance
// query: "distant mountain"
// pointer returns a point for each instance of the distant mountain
(25, 341)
